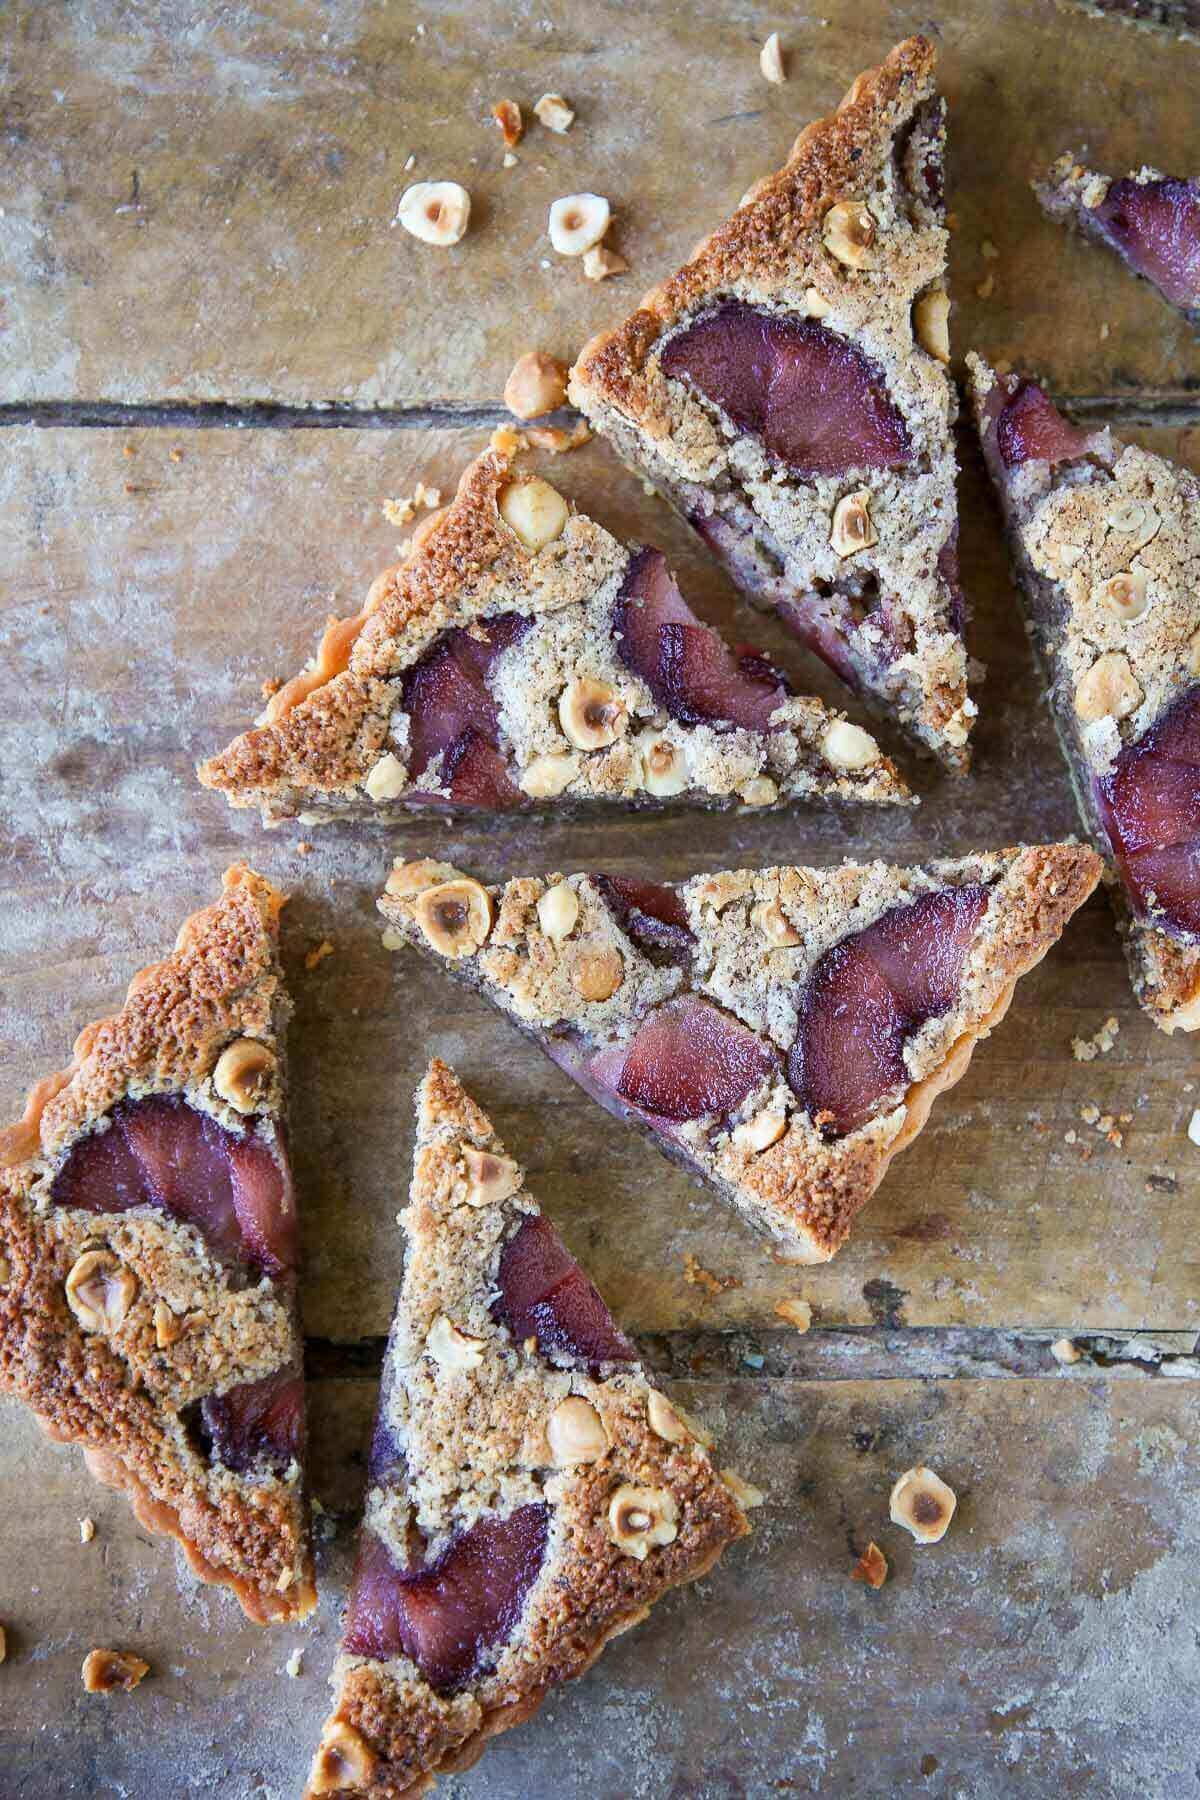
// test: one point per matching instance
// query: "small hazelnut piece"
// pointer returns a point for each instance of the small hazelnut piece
(639, 1519)
(1191, 656)
(923, 1504)
(1108, 689)
(664, 766)
(760, 1132)
(554, 113)
(849, 747)
(437, 212)
(769, 918)
(168, 1326)
(598, 975)
(575, 1432)
(744, 1492)
(770, 60)
(1066, 1351)
(489, 1177)
(761, 791)
(1134, 516)
(100, 1290)
(600, 262)
(87, 1530)
(5, 1271)
(548, 776)
(243, 1075)
(591, 713)
(1123, 595)
(343, 1760)
(931, 323)
(578, 221)
(558, 911)
(3, 1643)
(798, 1313)
(386, 779)
(852, 528)
(507, 115)
(452, 1348)
(816, 305)
(664, 1421)
(534, 510)
(409, 878)
(871, 1567)
(455, 917)
(848, 233)
(536, 385)
(106, 1670)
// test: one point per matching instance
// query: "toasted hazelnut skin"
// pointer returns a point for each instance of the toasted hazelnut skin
(871, 1567)
(1108, 689)
(923, 1504)
(591, 713)
(931, 323)
(535, 511)
(575, 1432)
(507, 115)
(577, 222)
(664, 766)
(1124, 595)
(436, 212)
(452, 1348)
(455, 916)
(848, 233)
(243, 1074)
(408, 878)
(386, 779)
(106, 1670)
(852, 530)
(489, 1177)
(598, 975)
(769, 918)
(849, 747)
(760, 1132)
(536, 385)
(100, 1290)
(548, 776)
(639, 1519)
(558, 911)
(344, 1759)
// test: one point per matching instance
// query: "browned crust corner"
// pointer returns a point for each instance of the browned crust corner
(761, 237)
(442, 1101)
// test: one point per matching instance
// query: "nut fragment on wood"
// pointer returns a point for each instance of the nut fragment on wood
(3, 1643)
(600, 262)
(871, 1567)
(770, 60)
(1066, 1350)
(554, 113)
(578, 221)
(537, 384)
(796, 1312)
(104, 1671)
(87, 1531)
(507, 115)
(923, 1503)
(436, 212)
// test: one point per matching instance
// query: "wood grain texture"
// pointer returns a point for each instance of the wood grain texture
(145, 600)
(204, 210)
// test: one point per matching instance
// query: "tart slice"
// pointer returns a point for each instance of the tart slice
(1105, 538)
(148, 1256)
(530, 1493)
(521, 655)
(1151, 220)
(787, 392)
(782, 1032)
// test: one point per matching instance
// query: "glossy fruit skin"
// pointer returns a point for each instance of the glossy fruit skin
(1030, 428)
(690, 1059)
(1149, 806)
(452, 713)
(1155, 226)
(258, 1424)
(544, 1294)
(652, 915)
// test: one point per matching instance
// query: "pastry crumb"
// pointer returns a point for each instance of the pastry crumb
(304, 848)
(696, 1275)
(871, 1567)
(1087, 1049)
(87, 1531)
(796, 1312)
(175, 454)
(318, 955)
(1065, 1350)
(509, 161)
(104, 1671)
(399, 511)
(295, 1663)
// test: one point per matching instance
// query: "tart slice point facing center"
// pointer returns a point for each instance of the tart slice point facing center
(148, 1251)
(530, 1493)
(1151, 221)
(781, 1032)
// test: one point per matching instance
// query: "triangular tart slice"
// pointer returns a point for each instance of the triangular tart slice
(1151, 220)
(530, 1493)
(781, 1032)
(787, 392)
(148, 1250)
(521, 656)
(1105, 539)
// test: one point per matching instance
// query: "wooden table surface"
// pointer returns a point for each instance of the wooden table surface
(217, 357)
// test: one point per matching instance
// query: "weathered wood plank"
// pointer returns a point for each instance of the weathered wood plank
(207, 213)
(143, 601)
(1044, 1647)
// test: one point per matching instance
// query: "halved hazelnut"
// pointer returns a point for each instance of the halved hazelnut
(849, 747)
(168, 1326)
(598, 975)
(744, 1492)
(760, 1132)
(455, 917)
(343, 1760)
(761, 791)
(852, 529)
(923, 1504)
(244, 1073)
(1109, 689)
(554, 113)
(769, 918)
(386, 778)
(664, 1421)
(575, 1432)
(490, 1177)
(871, 1567)
(100, 1290)
(409, 878)
(664, 765)
(106, 1670)
(548, 776)
(848, 233)
(600, 262)
(931, 323)
(534, 510)
(770, 60)
(507, 115)
(1134, 518)
(1123, 595)
(591, 713)
(578, 221)
(537, 384)
(641, 1518)
(452, 1348)
(558, 911)
(1065, 1350)
(437, 212)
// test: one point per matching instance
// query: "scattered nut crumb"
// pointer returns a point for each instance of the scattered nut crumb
(1089, 1114)
(554, 113)
(323, 949)
(988, 250)
(557, 441)
(176, 455)
(537, 384)
(294, 1663)
(87, 1531)
(129, 450)
(987, 286)
(3, 1643)
(744, 1492)
(1072, 1137)
(1066, 1350)
(600, 262)
(871, 1567)
(507, 115)
(1193, 1129)
(1104, 331)
(770, 60)
(507, 442)
(1087, 1049)
(304, 848)
(410, 163)
(508, 160)
(106, 1670)
(577, 222)
(923, 1503)
(796, 1312)
(397, 512)
(426, 496)
(436, 212)
(696, 1275)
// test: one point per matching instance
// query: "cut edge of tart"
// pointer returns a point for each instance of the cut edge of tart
(1105, 540)
(521, 656)
(148, 1248)
(786, 391)
(530, 1493)
(780, 1032)
(1150, 220)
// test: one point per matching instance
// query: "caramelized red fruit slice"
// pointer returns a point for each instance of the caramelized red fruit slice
(477, 775)
(1150, 807)
(1030, 428)
(1155, 225)
(446, 695)
(690, 1059)
(443, 1616)
(260, 1422)
(545, 1294)
(688, 667)
(162, 1152)
(867, 995)
(654, 916)
(816, 401)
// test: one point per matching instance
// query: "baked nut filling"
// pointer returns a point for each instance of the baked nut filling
(849, 232)
(664, 1421)
(847, 746)
(923, 1504)
(642, 1518)
(244, 1073)
(548, 776)
(1109, 689)
(387, 778)
(760, 1132)
(452, 1348)
(598, 974)
(558, 911)
(852, 528)
(455, 916)
(1124, 595)
(100, 1291)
